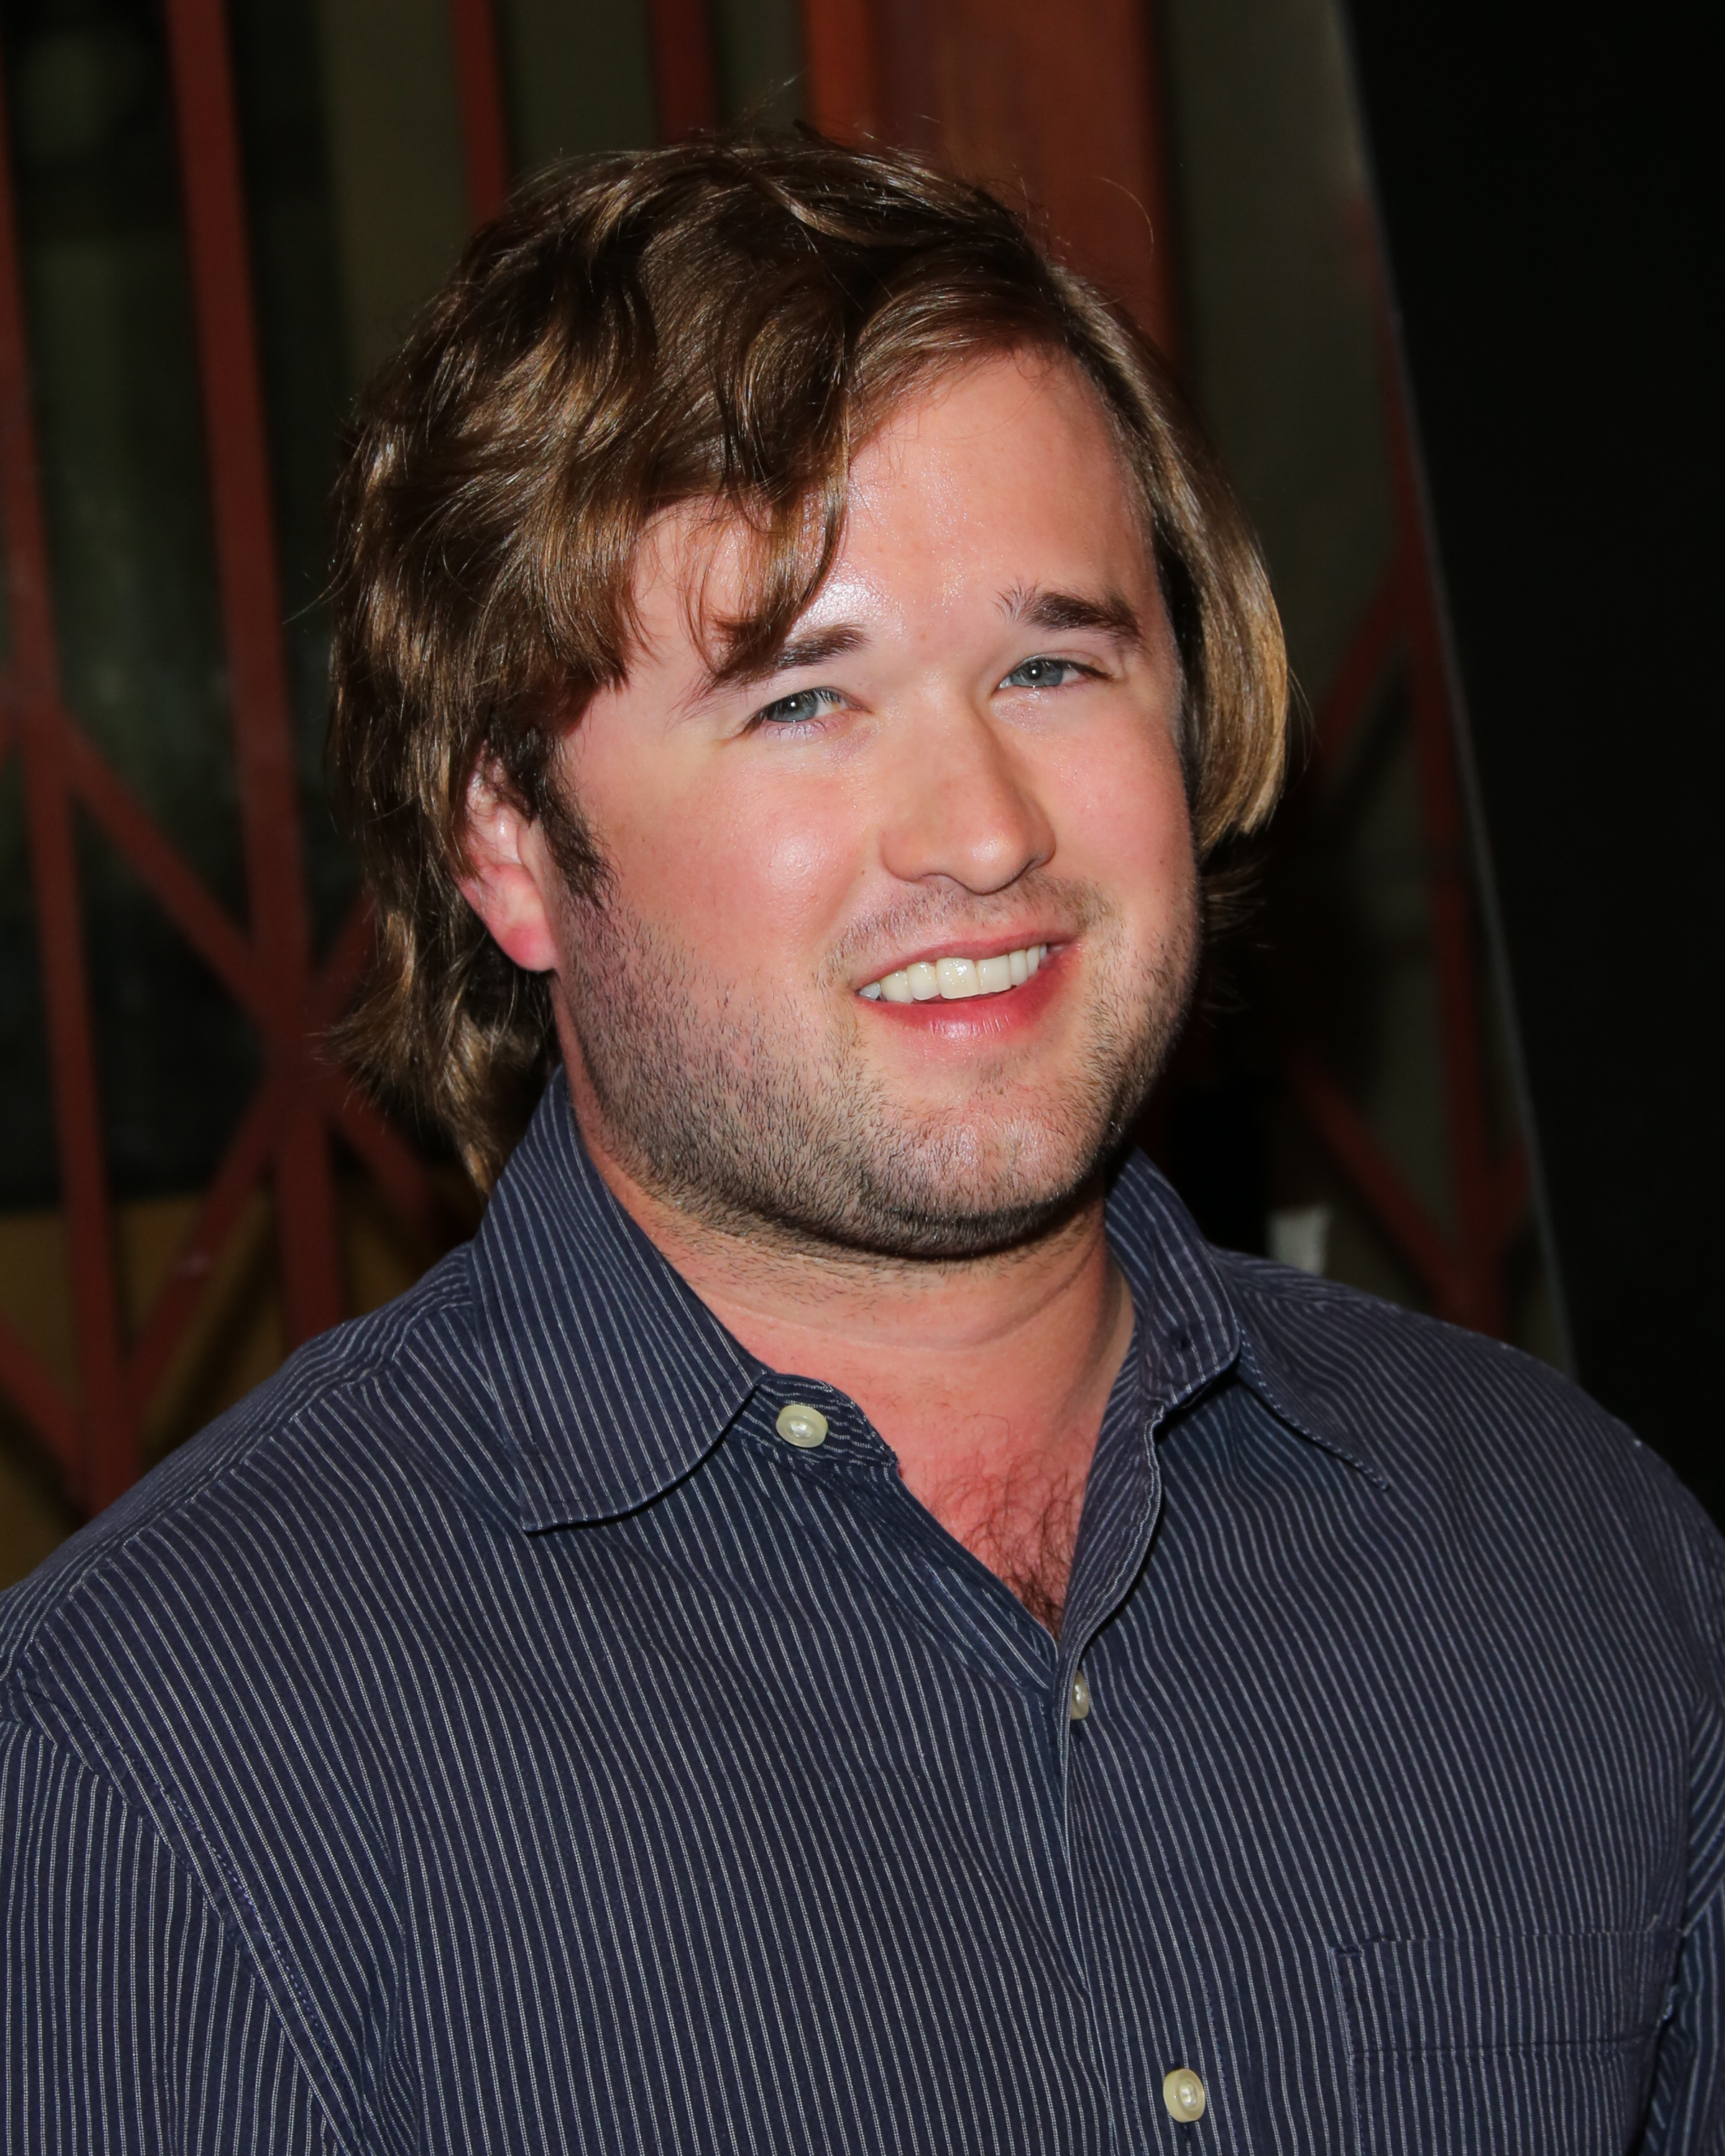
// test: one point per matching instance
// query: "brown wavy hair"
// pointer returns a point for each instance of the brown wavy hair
(721, 322)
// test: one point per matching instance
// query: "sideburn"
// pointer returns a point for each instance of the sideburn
(569, 839)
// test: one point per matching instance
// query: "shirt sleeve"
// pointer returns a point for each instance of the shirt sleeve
(1687, 2114)
(133, 2018)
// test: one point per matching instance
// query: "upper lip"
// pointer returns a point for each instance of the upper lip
(985, 946)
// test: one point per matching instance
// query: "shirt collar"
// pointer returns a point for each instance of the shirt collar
(1202, 1312)
(614, 1380)
(1188, 1330)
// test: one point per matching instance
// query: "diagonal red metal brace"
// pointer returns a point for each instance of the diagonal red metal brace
(1466, 1279)
(1378, 1182)
(248, 1157)
(1474, 1167)
(179, 891)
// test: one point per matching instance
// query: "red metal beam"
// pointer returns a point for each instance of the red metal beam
(684, 84)
(479, 86)
(250, 587)
(268, 970)
(842, 68)
(105, 1462)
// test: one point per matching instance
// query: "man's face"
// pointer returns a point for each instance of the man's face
(967, 751)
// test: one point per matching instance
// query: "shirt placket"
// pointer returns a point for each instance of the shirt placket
(1163, 2046)
(978, 1625)
(824, 1432)
(1123, 1503)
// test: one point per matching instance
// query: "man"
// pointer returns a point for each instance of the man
(838, 1623)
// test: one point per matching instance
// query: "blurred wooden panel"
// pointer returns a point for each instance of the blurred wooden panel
(1058, 106)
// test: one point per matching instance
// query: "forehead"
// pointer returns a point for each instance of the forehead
(991, 431)
(1004, 473)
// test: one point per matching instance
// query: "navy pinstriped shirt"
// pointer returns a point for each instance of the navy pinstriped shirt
(494, 1735)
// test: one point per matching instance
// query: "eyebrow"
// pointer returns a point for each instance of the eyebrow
(813, 647)
(1061, 612)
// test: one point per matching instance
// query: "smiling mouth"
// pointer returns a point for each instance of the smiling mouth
(953, 979)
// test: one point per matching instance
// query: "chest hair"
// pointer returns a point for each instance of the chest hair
(1025, 1529)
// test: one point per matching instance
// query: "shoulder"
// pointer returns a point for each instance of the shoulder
(1396, 1379)
(1363, 1360)
(1477, 1439)
(216, 1554)
(238, 1653)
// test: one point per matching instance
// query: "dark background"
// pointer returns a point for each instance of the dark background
(1546, 185)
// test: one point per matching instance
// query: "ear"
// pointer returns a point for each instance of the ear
(512, 883)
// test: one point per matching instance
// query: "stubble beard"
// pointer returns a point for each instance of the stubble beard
(755, 1120)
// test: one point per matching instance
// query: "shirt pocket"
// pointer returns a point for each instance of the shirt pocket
(1501, 2044)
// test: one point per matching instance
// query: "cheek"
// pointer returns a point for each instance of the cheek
(747, 880)
(1126, 824)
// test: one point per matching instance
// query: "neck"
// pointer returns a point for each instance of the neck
(988, 1377)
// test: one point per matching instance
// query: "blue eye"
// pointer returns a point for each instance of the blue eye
(1046, 673)
(796, 709)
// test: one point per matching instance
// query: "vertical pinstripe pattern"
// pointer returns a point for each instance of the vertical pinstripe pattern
(492, 1736)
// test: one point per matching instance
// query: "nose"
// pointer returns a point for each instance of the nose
(962, 807)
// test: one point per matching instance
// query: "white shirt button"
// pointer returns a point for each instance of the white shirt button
(1078, 1706)
(1183, 2092)
(801, 1425)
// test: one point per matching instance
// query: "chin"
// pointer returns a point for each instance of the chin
(972, 1193)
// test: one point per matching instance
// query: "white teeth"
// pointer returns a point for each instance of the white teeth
(953, 979)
